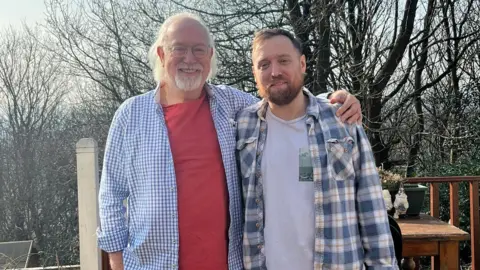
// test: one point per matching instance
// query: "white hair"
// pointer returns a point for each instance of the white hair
(153, 58)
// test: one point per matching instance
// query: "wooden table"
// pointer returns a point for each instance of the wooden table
(429, 236)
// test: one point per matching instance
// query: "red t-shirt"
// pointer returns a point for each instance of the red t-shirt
(201, 186)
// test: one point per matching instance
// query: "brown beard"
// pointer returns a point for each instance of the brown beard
(281, 98)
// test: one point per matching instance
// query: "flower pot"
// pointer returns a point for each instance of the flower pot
(415, 196)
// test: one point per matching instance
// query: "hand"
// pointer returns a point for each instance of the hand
(116, 260)
(351, 110)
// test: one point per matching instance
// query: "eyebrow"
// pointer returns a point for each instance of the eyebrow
(184, 44)
(284, 55)
(277, 56)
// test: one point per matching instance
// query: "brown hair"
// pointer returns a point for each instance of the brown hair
(265, 34)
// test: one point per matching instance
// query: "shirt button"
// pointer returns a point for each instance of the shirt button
(172, 188)
(174, 266)
(259, 246)
(257, 201)
(258, 225)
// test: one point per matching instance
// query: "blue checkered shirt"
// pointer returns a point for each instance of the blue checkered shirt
(351, 225)
(138, 167)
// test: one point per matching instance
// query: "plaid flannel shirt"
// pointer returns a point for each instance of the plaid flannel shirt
(351, 225)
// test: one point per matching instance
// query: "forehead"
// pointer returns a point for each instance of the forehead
(274, 47)
(186, 31)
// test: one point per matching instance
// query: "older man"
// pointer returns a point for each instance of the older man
(312, 194)
(171, 153)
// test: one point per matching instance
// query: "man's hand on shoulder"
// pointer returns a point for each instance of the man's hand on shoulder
(350, 111)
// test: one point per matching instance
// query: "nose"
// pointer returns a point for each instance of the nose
(189, 57)
(275, 69)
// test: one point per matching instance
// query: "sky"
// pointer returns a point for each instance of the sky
(13, 12)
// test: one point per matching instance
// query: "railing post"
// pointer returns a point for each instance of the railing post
(454, 208)
(474, 225)
(434, 200)
(434, 212)
(88, 219)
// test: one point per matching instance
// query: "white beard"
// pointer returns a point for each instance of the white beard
(188, 84)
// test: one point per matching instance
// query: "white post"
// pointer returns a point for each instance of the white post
(88, 219)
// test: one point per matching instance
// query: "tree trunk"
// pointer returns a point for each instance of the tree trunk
(323, 10)
(302, 28)
(381, 151)
(417, 99)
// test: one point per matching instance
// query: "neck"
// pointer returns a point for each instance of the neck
(170, 94)
(293, 110)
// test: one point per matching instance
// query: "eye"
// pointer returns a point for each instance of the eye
(264, 66)
(200, 50)
(284, 61)
(179, 50)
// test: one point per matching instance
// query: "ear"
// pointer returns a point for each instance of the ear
(303, 63)
(211, 52)
(161, 54)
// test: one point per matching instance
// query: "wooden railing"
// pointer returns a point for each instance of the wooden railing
(453, 182)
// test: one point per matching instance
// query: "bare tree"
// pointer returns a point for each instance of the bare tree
(105, 42)
(379, 50)
(32, 88)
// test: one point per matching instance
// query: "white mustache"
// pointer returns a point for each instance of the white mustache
(193, 66)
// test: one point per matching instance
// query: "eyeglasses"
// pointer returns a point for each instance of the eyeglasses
(198, 51)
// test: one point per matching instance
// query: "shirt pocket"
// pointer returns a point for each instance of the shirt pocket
(340, 162)
(247, 152)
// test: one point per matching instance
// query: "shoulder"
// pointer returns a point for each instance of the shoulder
(134, 104)
(247, 124)
(250, 112)
(327, 115)
(236, 98)
(326, 109)
(141, 100)
(223, 90)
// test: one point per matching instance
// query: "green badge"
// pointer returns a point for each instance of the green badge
(305, 165)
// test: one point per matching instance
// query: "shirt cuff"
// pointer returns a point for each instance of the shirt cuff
(112, 241)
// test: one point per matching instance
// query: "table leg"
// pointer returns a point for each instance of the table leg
(417, 263)
(448, 257)
(408, 263)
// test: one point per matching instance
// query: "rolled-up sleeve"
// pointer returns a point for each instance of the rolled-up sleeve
(113, 232)
(374, 226)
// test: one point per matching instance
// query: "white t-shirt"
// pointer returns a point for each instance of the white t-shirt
(288, 196)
